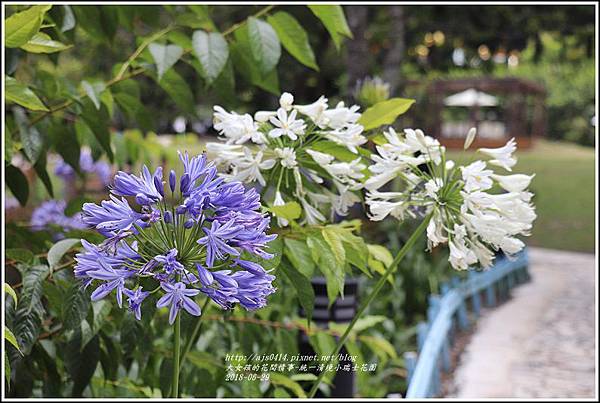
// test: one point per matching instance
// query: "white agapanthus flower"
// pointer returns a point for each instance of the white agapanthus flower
(307, 154)
(471, 208)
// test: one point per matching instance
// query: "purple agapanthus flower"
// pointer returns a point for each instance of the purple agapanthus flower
(112, 216)
(146, 189)
(52, 212)
(135, 299)
(87, 165)
(216, 239)
(207, 238)
(169, 261)
(177, 296)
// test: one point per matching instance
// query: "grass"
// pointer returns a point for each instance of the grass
(564, 193)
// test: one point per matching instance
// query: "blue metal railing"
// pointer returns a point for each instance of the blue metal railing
(449, 310)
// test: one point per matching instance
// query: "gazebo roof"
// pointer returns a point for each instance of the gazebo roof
(471, 97)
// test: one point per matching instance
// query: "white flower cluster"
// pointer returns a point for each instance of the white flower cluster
(472, 209)
(303, 153)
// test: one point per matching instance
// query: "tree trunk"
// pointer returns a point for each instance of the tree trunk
(357, 56)
(395, 54)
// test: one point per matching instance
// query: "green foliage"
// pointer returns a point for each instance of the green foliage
(58, 250)
(169, 39)
(212, 52)
(293, 38)
(264, 45)
(21, 94)
(332, 16)
(17, 183)
(165, 56)
(289, 211)
(384, 112)
(42, 43)
(21, 27)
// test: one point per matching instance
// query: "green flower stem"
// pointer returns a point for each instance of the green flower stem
(342, 340)
(176, 353)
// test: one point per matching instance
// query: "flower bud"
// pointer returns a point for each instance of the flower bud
(189, 223)
(184, 184)
(206, 277)
(168, 217)
(172, 180)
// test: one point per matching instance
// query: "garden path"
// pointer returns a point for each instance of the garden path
(541, 342)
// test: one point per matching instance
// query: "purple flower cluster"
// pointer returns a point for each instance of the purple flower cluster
(52, 212)
(203, 239)
(87, 165)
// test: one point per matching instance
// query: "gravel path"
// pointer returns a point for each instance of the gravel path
(540, 343)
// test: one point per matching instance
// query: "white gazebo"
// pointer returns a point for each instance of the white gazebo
(470, 98)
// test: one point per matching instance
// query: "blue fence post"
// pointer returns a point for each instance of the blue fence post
(510, 280)
(433, 308)
(410, 362)
(444, 288)
(476, 298)
(422, 329)
(490, 295)
(463, 319)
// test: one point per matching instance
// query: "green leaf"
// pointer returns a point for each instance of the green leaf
(377, 265)
(20, 255)
(361, 324)
(42, 43)
(93, 91)
(244, 63)
(332, 16)
(264, 44)
(379, 345)
(282, 380)
(299, 255)
(9, 290)
(356, 251)
(289, 211)
(293, 38)
(179, 91)
(134, 109)
(68, 22)
(327, 263)
(212, 51)
(99, 21)
(32, 285)
(334, 239)
(42, 173)
(31, 139)
(19, 93)
(75, 308)
(7, 369)
(280, 393)
(97, 121)
(303, 287)
(81, 365)
(21, 27)
(8, 335)
(17, 183)
(165, 376)
(58, 250)
(165, 56)
(27, 328)
(65, 143)
(338, 151)
(384, 112)
(381, 253)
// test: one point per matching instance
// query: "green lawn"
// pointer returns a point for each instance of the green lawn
(564, 194)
